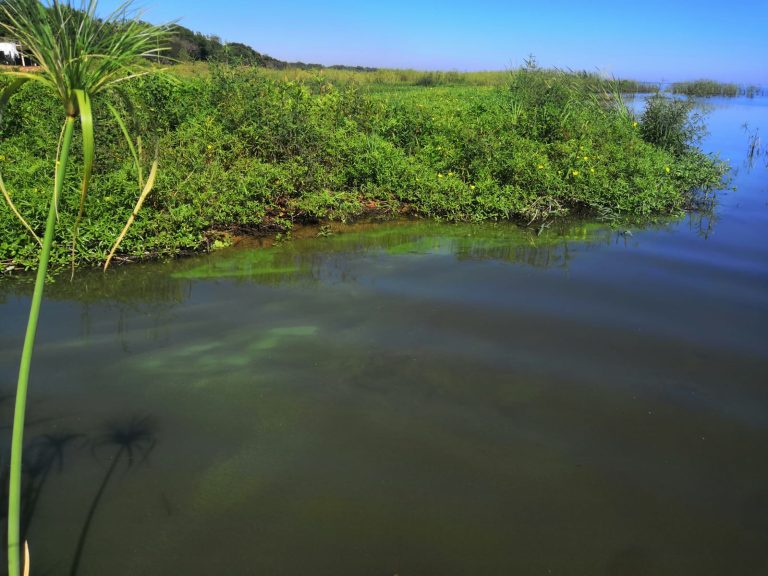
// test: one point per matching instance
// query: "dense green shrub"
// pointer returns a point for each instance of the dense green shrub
(671, 124)
(240, 150)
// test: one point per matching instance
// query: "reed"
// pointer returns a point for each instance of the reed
(705, 88)
(80, 56)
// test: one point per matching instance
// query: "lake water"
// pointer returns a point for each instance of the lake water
(413, 399)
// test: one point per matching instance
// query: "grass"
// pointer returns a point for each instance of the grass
(391, 78)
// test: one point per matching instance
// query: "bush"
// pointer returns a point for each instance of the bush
(671, 124)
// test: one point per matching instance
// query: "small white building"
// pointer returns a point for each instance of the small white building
(9, 52)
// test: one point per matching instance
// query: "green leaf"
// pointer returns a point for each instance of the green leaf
(86, 124)
(8, 93)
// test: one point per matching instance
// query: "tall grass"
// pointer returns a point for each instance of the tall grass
(390, 77)
(80, 56)
(705, 88)
(672, 124)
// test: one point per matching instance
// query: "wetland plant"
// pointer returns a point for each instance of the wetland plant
(755, 147)
(705, 88)
(80, 56)
(671, 124)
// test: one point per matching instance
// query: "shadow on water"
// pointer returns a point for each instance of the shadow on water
(123, 442)
(130, 439)
(43, 455)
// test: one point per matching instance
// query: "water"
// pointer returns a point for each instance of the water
(413, 399)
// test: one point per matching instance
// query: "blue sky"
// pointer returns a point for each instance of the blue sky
(650, 40)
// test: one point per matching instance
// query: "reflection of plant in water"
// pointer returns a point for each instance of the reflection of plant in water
(131, 438)
(703, 221)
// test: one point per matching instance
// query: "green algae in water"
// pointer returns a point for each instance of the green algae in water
(265, 343)
(296, 259)
(212, 357)
(295, 331)
(277, 336)
(265, 264)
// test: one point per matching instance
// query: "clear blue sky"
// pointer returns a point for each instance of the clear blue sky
(646, 40)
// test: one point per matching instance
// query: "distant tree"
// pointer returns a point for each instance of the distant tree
(186, 45)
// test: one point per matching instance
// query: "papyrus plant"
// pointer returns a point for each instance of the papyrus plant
(80, 55)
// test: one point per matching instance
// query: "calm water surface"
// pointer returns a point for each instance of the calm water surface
(413, 399)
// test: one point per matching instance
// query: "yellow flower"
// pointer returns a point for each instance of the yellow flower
(439, 175)
(471, 186)
(634, 124)
(450, 173)
(666, 169)
(575, 172)
(586, 158)
(592, 170)
(540, 166)
(210, 147)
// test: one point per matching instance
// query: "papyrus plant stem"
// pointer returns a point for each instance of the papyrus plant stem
(17, 439)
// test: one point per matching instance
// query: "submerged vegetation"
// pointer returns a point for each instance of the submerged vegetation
(244, 151)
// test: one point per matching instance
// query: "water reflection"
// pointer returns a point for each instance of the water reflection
(153, 289)
(328, 259)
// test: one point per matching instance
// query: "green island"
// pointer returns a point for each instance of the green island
(257, 150)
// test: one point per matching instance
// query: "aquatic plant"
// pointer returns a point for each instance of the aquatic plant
(755, 147)
(705, 88)
(80, 56)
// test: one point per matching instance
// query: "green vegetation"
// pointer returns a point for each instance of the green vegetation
(243, 151)
(672, 124)
(186, 46)
(81, 57)
(705, 88)
(387, 78)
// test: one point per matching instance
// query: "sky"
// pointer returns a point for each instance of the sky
(652, 40)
